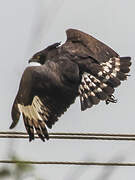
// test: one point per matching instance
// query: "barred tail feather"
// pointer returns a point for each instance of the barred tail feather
(100, 83)
(85, 103)
(92, 90)
(125, 63)
(94, 100)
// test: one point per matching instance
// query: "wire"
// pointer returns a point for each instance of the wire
(79, 136)
(81, 163)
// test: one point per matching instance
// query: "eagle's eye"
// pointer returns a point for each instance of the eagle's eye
(38, 57)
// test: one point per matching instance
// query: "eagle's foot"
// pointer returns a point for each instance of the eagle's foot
(111, 99)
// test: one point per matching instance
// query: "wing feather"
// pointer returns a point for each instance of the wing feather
(101, 67)
(89, 46)
(42, 98)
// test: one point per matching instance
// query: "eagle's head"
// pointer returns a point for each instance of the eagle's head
(48, 53)
(38, 58)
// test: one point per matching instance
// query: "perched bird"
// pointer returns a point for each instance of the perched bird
(82, 66)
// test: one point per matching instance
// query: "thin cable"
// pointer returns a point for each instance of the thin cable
(74, 134)
(81, 163)
(73, 137)
(79, 136)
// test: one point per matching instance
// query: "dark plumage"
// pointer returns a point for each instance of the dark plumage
(82, 66)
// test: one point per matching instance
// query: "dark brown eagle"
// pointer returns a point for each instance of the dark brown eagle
(82, 66)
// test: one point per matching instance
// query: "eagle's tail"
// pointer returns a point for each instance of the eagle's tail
(100, 83)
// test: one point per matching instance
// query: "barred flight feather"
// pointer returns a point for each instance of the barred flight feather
(100, 83)
(35, 115)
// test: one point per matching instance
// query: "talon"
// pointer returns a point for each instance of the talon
(111, 99)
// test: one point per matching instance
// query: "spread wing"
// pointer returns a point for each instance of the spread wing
(101, 67)
(41, 99)
(84, 45)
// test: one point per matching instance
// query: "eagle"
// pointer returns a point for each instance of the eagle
(83, 66)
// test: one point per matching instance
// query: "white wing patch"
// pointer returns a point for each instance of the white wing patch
(35, 110)
(35, 116)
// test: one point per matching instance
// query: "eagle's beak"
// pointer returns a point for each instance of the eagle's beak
(33, 60)
(30, 60)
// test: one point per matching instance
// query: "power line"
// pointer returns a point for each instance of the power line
(79, 136)
(80, 163)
